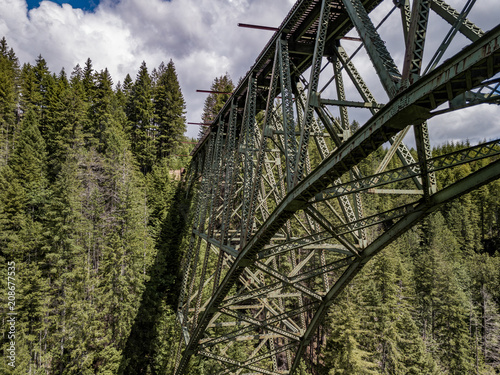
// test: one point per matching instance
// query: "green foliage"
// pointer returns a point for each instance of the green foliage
(222, 88)
(141, 119)
(96, 224)
(94, 239)
(169, 109)
(429, 303)
(344, 352)
(28, 161)
(9, 98)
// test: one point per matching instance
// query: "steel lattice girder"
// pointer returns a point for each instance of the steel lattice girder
(271, 247)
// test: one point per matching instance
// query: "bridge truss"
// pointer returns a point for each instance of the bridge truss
(277, 234)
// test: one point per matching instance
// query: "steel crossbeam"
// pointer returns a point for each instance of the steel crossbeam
(450, 160)
(467, 28)
(282, 219)
(474, 181)
(381, 58)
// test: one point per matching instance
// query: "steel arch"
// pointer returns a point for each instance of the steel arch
(277, 236)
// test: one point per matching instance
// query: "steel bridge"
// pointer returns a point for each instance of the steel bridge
(282, 219)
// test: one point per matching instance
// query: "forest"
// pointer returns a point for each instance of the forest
(95, 226)
(85, 194)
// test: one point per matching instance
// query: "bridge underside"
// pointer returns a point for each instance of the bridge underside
(283, 214)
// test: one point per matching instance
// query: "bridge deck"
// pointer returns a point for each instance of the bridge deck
(299, 28)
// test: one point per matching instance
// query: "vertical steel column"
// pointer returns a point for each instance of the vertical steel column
(191, 263)
(204, 207)
(213, 201)
(411, 72)
(429, 184)
(287, 107)
(404, 5)
(305, 130)
(339, 84)
(228, 191)
(249, 135)
(274, 128)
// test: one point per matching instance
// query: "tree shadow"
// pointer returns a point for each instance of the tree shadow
(162, 289)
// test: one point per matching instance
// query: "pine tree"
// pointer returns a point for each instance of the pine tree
(66, 259)
(38, 79)
(25, 182)
(443, 305)
(140, 113)
(345, 351)
(491, 332)
(127, 84)
(58, 122)
(223, 87)
(78, 124)
(401, 348)
(9, 99)
(169, 110)
(102, 111)
(120, 244)
(29, 163)
(485, 278)
(88, 78)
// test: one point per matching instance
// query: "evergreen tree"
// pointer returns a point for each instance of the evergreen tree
(88, 78)
(58, 119)
(102, 110)
(29, 163)
(443, 305)
(486, 326)
(345, 353)
(141, 119)
(9, 76)
(66, 259)
(169, 110)
(397, 341)
(34, 92)
(223, 87)
(24, 183)
(127, 84)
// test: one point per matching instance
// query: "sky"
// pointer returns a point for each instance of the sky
(203, 40)
(88, 5)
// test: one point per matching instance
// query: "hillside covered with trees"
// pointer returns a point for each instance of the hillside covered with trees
(85, 194)
(95, 225)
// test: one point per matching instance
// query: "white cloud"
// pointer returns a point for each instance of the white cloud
(201, 36)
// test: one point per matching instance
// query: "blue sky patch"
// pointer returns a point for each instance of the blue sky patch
(88, 5)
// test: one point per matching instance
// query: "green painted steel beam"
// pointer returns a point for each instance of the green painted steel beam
(449, 14)
(412, 105)
(379, 55)
(274, 216)
(350, 103)
(464, 186)
(453, 159)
